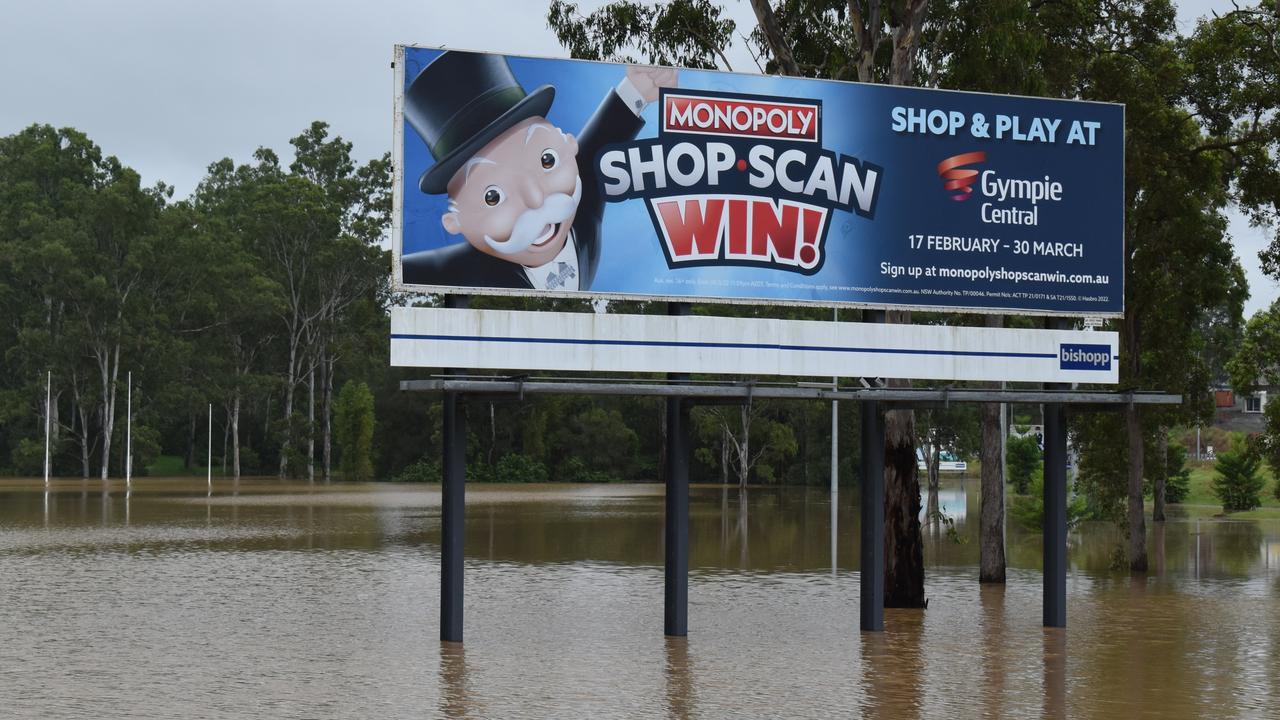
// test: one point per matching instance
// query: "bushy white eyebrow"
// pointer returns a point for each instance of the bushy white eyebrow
(528, 134)
(466, 169)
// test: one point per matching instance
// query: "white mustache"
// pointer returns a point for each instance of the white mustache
(556, 208)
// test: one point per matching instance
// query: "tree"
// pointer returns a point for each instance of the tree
(354, 423)
(1238, 483)
(98, 254)
(313, 232)
(1024, 458)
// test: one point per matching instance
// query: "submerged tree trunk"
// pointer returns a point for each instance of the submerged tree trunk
(1137, 523)
(933, 468)
(1159, 475)
(903, 542)
(991, 560)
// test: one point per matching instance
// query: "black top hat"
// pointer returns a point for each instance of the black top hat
(460, 102)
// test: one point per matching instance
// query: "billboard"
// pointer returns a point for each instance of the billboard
(591, 342)
(520, 175)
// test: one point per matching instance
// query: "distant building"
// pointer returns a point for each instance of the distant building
(1239, 412)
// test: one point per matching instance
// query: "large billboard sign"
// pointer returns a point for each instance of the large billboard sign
(538, 176)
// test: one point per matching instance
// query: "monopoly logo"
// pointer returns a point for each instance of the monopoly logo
(735, 117)
(1084, 357)
(739, 180)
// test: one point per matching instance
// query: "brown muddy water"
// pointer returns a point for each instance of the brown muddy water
(282, 601)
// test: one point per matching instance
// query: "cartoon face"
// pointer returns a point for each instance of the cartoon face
(517, 196)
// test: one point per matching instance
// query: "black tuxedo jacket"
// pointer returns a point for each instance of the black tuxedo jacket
(461, 265)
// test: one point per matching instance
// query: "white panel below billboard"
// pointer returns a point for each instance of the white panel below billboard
(511, 340)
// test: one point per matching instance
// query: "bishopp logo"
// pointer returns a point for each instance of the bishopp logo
(739, 180)
(957, 179)
(1084, 357)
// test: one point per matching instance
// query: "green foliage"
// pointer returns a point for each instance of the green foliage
(683, 33)
(1238, 483)
(353, 425)
(1024, 458)
(1028, 510)
(1177, 481)
(515, 468)
(422, 470)
(575, 470)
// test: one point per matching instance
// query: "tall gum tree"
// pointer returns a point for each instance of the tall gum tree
(870, 41)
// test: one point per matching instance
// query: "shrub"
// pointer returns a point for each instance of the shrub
(1177, 475)
(1238, 482)
(514, 468)
(1177, 482)
(423, 470)
(1024, 458)
(575, 470)
(1028, 510)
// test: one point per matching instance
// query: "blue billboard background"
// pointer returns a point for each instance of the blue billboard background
(919, 248)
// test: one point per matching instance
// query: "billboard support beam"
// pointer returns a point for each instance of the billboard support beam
(1055, 506)
(676, 590)
(452, 505)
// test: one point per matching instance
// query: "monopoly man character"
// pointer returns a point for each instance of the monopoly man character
(514, 180)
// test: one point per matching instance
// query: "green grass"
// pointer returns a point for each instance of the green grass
(1200, 492)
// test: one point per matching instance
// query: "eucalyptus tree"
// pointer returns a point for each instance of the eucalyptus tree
(871, 41)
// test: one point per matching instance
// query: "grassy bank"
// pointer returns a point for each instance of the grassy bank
(1201, 502)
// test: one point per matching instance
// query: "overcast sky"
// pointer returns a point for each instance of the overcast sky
(171, 86)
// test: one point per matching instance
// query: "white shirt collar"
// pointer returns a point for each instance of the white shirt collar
(561, 273)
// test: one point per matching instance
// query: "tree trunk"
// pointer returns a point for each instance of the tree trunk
(327, 411)
(932, 464)
(744, 448)
(226, 431)
(903, 542)
(991, 560)
(1159, 475)
(311, 425)
(1137, 523)
(724, 455)
(110, 366)
(290, 382)
(235, 434)
(81, 412)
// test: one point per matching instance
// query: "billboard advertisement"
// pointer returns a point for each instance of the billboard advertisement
(519, 175)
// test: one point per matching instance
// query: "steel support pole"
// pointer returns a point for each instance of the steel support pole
(872, 525)
(1055, 506)
(676, 533)
(452, 505)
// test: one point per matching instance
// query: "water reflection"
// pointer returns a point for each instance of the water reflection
(994, 667)
(893, 666)
(1055, 672)
(268, 597)
(455, 691)
(680, 695)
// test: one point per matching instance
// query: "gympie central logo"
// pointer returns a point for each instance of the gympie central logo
(739, 180)
(1084, 357)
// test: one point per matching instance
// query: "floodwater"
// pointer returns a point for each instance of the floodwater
(280, 601)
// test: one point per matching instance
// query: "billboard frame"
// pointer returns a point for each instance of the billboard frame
(397, 219)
